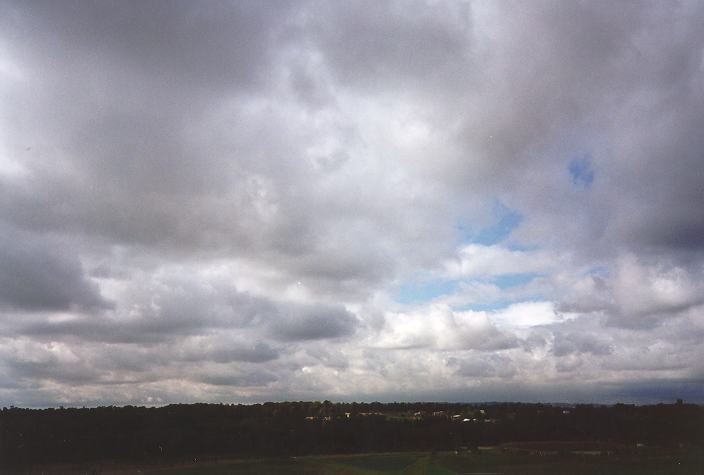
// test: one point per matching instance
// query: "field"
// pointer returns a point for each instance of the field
(449, 463)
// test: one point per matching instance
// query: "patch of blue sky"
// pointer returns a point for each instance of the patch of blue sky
(497, 305)
(581, 171)
(522, 247)
(506, 281)
(600, 271)
(499, 231)
(506, 220)
(417, 292)
(425, 291)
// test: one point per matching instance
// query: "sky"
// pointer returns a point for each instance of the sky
(402, 200)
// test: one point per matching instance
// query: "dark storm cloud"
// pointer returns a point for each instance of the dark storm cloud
(368, 44)
(641, 392)
(42, 274)
(250, 379)
(54, 371)
(218, 47)
(656, 390)
(311, 323)
(670, 160)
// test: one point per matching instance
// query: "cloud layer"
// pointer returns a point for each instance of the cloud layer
(401, 200)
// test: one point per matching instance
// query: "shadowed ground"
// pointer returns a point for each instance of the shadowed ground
(448, 463)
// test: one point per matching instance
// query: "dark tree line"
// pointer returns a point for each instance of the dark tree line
(182, 432)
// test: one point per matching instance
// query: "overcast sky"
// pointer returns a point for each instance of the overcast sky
(353, 200)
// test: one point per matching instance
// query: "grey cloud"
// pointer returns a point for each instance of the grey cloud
(629, 94)
(331, 359)
(319, 155)
(584, 77)
(48, 367)
(475, 369)
(182, 150)
(106, 271)
(492, 340)
(674, 220)
(142, 169)
(591, 294)
(214, 47)
(181, 307)
(483, 367)
(103, 330)
(648, 359)
(648, 391)
(369, 44)
(239, 380)
(657, 390)
(231, 351)
(536, 340)
(310, 323)
(40, 274)
(258, 353)
(128, 361)
(571, 343)
(637, 292)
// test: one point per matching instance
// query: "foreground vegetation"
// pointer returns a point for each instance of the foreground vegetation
(494, 462)
(294, 437)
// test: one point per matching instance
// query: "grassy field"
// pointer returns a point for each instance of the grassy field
(450, 463)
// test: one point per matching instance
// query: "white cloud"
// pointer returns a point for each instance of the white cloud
(528, 314)
(475, 260)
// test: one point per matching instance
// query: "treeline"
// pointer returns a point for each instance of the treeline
(183, 432)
